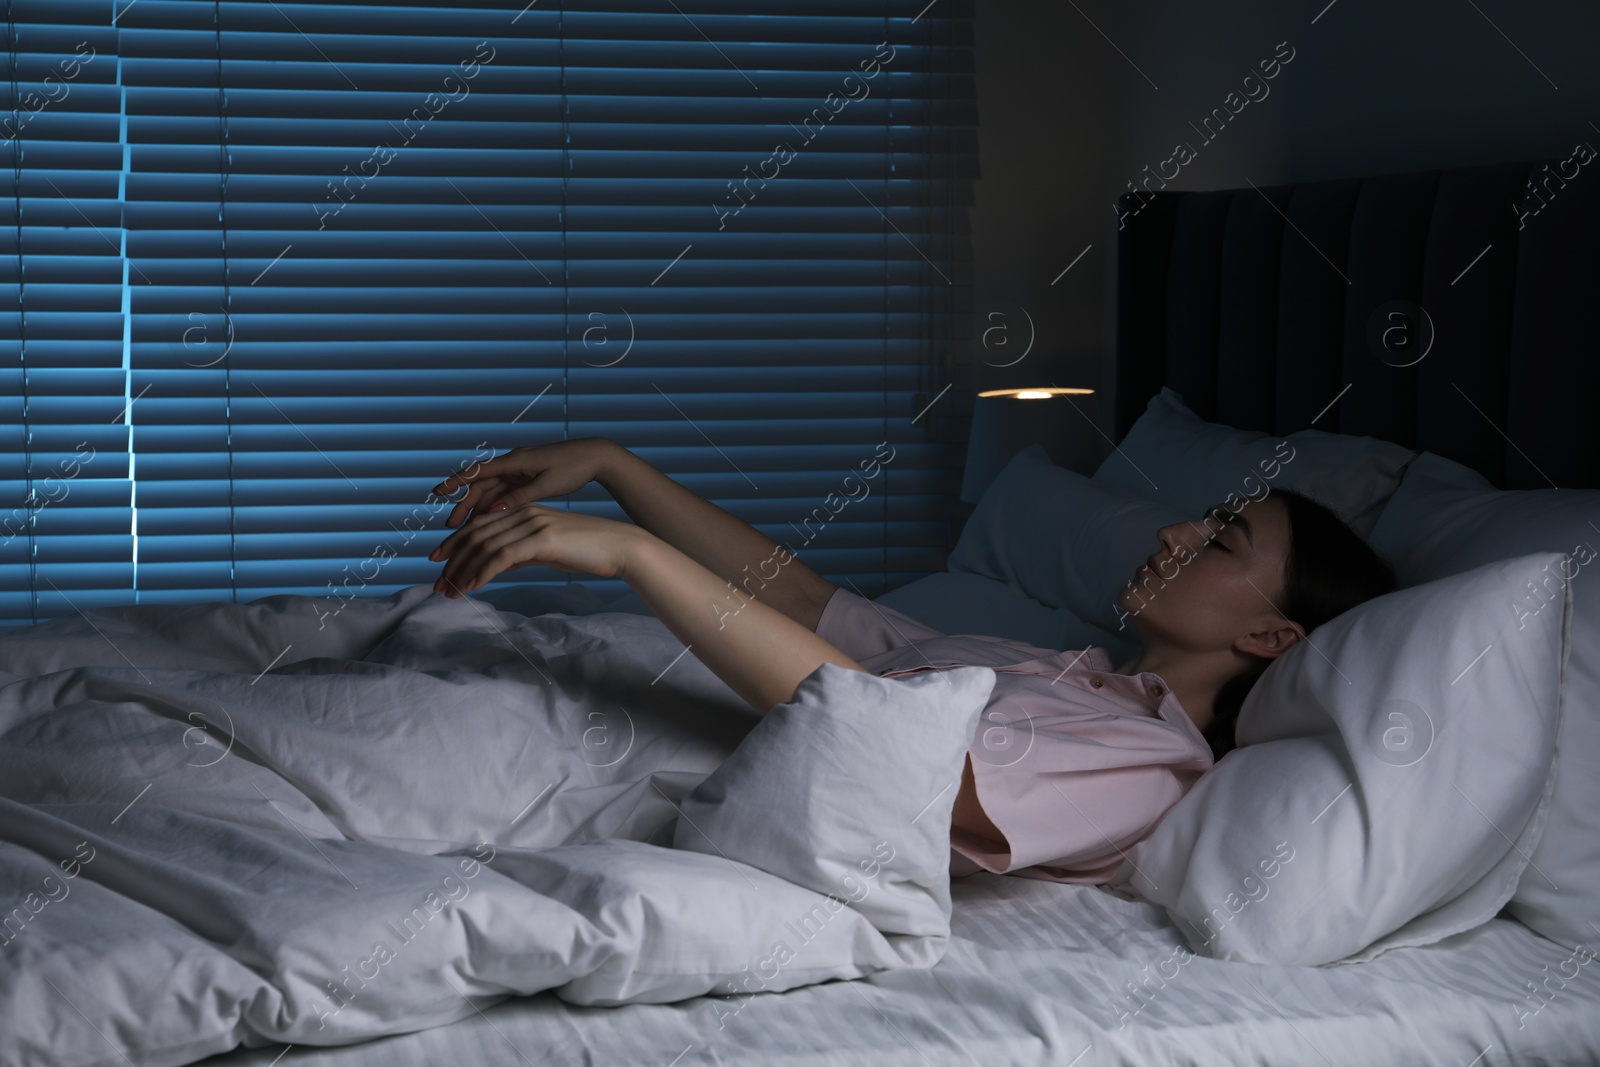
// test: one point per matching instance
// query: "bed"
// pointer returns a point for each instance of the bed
(1256, 309)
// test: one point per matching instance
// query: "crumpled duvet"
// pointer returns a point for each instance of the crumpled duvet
(226, 824)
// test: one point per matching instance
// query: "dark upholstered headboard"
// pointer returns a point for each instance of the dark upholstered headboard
(1260, 305)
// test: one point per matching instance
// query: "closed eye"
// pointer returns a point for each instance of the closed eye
(1222, 515)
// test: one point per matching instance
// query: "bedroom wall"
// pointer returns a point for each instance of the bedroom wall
(1433, 83)
(1370, 88)
(1049, 105)
(1074, 101)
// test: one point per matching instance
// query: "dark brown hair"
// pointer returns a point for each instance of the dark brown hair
(1329, 569)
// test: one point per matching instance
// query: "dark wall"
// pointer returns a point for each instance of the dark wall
(1078, 98)
(1443, 83)
(1052, 97)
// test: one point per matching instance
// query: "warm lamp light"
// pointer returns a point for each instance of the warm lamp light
(1005, 421)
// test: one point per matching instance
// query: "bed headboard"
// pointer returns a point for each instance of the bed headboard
(1260, 305)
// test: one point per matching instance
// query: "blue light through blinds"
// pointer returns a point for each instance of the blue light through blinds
(274, 269)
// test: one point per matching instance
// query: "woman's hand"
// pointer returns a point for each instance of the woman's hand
(524, 475)
(763, 656)
(528, 534)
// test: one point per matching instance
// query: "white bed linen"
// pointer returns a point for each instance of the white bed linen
(1040, 973)
(1034, 972)
(226, 824)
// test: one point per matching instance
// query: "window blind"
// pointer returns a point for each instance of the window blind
(66, 515)
(277, 268)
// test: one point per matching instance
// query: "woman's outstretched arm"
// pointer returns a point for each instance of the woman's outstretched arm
(762, 654)
(722, 543)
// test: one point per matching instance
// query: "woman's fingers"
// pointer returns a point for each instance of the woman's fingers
(498, 541)
(493, 552)
(488, 501)
(472, 560)
(517, 478)
(453, 541)
(501, 495)
(508, 549)
(477, 493)
(490, 493)
(475, 471)
(466, 505)
(462, 549)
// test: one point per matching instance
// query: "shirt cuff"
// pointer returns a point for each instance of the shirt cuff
(981, 850)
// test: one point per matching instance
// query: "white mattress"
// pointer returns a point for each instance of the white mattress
(1040, 973)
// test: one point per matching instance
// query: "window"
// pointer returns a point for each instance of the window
(277, 268)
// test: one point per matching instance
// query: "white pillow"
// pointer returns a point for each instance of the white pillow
(848, 791)
(1063, 539)
(1393, 775)
(1174, 456)
(1448, 518)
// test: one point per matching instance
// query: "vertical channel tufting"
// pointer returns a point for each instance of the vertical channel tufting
(1388, 242)
(1508, 328)
(1468, 291)
(1553, 377)
(1144, 250)
(1247, 320)
(1311, 298)
(1193, 299)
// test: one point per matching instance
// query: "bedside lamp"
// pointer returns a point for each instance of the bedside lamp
(1006, 421)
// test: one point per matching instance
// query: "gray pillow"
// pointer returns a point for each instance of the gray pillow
(1062, 538)
(1174, 456)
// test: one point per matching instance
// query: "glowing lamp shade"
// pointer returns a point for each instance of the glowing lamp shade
(1005, 421)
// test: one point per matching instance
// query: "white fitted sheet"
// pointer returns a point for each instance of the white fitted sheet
(1039, 973)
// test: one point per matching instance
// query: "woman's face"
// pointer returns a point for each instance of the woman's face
(1212, 580)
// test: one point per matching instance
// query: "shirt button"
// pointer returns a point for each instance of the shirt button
(1156, 688)
(1097, 681)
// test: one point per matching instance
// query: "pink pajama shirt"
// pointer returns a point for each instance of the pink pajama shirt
(1073, 763)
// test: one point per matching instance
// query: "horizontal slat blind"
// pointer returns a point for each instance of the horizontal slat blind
(66, 489)
(354, 246)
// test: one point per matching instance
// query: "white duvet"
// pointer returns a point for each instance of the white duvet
(275, 822)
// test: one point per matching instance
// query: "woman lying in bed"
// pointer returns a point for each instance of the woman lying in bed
(1073, 760)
